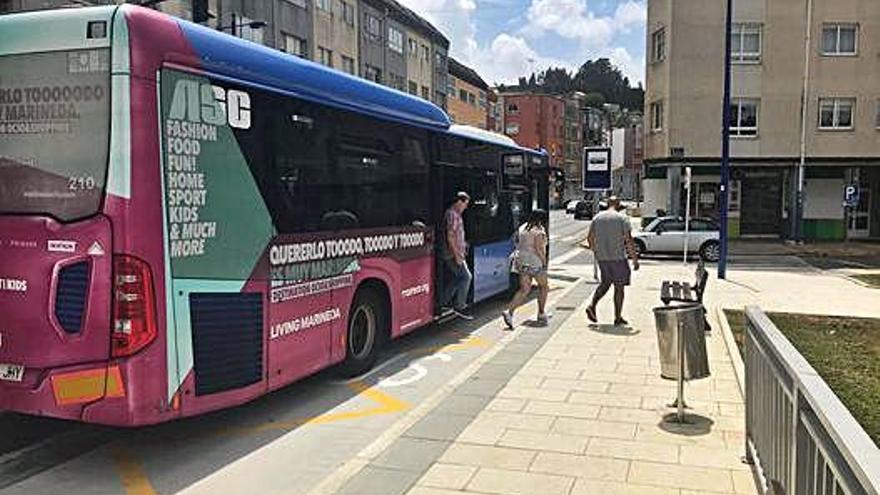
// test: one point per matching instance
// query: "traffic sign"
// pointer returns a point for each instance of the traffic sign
(851, 195)
(597, 169)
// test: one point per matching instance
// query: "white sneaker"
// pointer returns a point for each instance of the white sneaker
(508, 319)
(463, 314)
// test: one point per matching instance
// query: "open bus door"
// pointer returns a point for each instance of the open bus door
(540, 172)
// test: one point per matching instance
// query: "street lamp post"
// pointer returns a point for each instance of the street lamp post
(725, 145)
(233, 27)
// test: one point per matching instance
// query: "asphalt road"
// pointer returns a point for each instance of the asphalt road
(321, 422)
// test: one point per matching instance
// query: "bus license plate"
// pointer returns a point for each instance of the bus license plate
(11, 372)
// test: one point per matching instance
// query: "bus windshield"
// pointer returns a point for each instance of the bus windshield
(54, 132)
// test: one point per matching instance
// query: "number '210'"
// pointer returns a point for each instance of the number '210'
(81, 183)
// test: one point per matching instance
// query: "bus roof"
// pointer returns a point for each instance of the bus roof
(485, 136)
(254, 63)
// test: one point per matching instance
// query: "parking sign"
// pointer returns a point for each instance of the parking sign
(851, 195)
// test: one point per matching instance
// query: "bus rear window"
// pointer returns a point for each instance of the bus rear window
(54, 132)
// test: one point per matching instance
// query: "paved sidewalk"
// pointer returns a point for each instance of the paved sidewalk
(575, 409)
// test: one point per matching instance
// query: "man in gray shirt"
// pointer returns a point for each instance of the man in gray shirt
(610, 239)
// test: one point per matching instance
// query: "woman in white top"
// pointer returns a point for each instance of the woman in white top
(530, 262)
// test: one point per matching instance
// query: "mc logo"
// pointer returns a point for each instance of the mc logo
(195, 101)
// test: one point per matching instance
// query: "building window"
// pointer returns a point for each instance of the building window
(323, 5)
(372, 73)
(440, 60)
(413, 88)
(248, 33)
(658, 45)
(839, 39)
(462, 95)
(397, 82)
(472, 100)
(733, 202)
(348, 64)
(877, 115)
(426, 53)
(413, 48)
(325, 56)
(836, 113)
(426, 93)
(348, 13)
(745, 43)
(295, 45)
(482, 100)
(657, 116)
(395, 40)
(512, 129)
(512, 108)
(373, 26)
(744, 117)
(299, 3)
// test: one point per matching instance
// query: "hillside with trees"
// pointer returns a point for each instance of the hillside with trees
(599, 79)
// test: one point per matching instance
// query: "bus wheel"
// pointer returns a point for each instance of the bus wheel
(366, 327)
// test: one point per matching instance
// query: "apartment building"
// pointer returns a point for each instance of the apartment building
(379, 40)
(336, 34)
(822, 52)
(495, 119)
(419, 65)
(468, 96)
(627, 153)
(575, 114)
(536, 121)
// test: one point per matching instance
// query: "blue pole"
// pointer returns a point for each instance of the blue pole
(725, 145)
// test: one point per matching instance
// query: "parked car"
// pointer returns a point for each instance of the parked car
(583, 209)
(667, 235)
(570, 206)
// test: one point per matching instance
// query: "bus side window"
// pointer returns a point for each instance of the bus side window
(302, 138)
(382, 172)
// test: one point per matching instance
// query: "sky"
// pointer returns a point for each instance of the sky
(505, 39)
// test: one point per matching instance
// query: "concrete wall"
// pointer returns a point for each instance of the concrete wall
(395, 62)
(440, 62)
(333, 33)
(419, 68)
(656, 192)
(857, 77)
(657, 77)
(541, 120)
(463, 112)
(371, 48)
(689, 81)
(618, 148)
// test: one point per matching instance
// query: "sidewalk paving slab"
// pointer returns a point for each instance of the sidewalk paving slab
(581, 409)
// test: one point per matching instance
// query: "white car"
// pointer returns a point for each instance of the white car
(570, 206)
(667, 235)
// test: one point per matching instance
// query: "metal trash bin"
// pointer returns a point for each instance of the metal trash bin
(682, 321)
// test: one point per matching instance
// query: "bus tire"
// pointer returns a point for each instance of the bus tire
(367, 326)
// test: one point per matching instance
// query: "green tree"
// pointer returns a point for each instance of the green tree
(600, 79)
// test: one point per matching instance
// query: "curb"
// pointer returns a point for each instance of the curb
(736, 359)
(336, 480)
(854, 280)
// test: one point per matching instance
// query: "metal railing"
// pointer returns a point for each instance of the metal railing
(800, 436)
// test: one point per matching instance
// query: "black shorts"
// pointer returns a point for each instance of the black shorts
(615, 272)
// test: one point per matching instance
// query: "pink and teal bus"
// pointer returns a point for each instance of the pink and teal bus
(189, 221)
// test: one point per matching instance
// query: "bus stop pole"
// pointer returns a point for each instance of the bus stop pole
(725, 147)
(687, 212)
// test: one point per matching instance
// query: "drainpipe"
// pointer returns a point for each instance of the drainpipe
(805, 100)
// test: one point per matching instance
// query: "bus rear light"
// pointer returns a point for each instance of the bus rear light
(134, 306)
